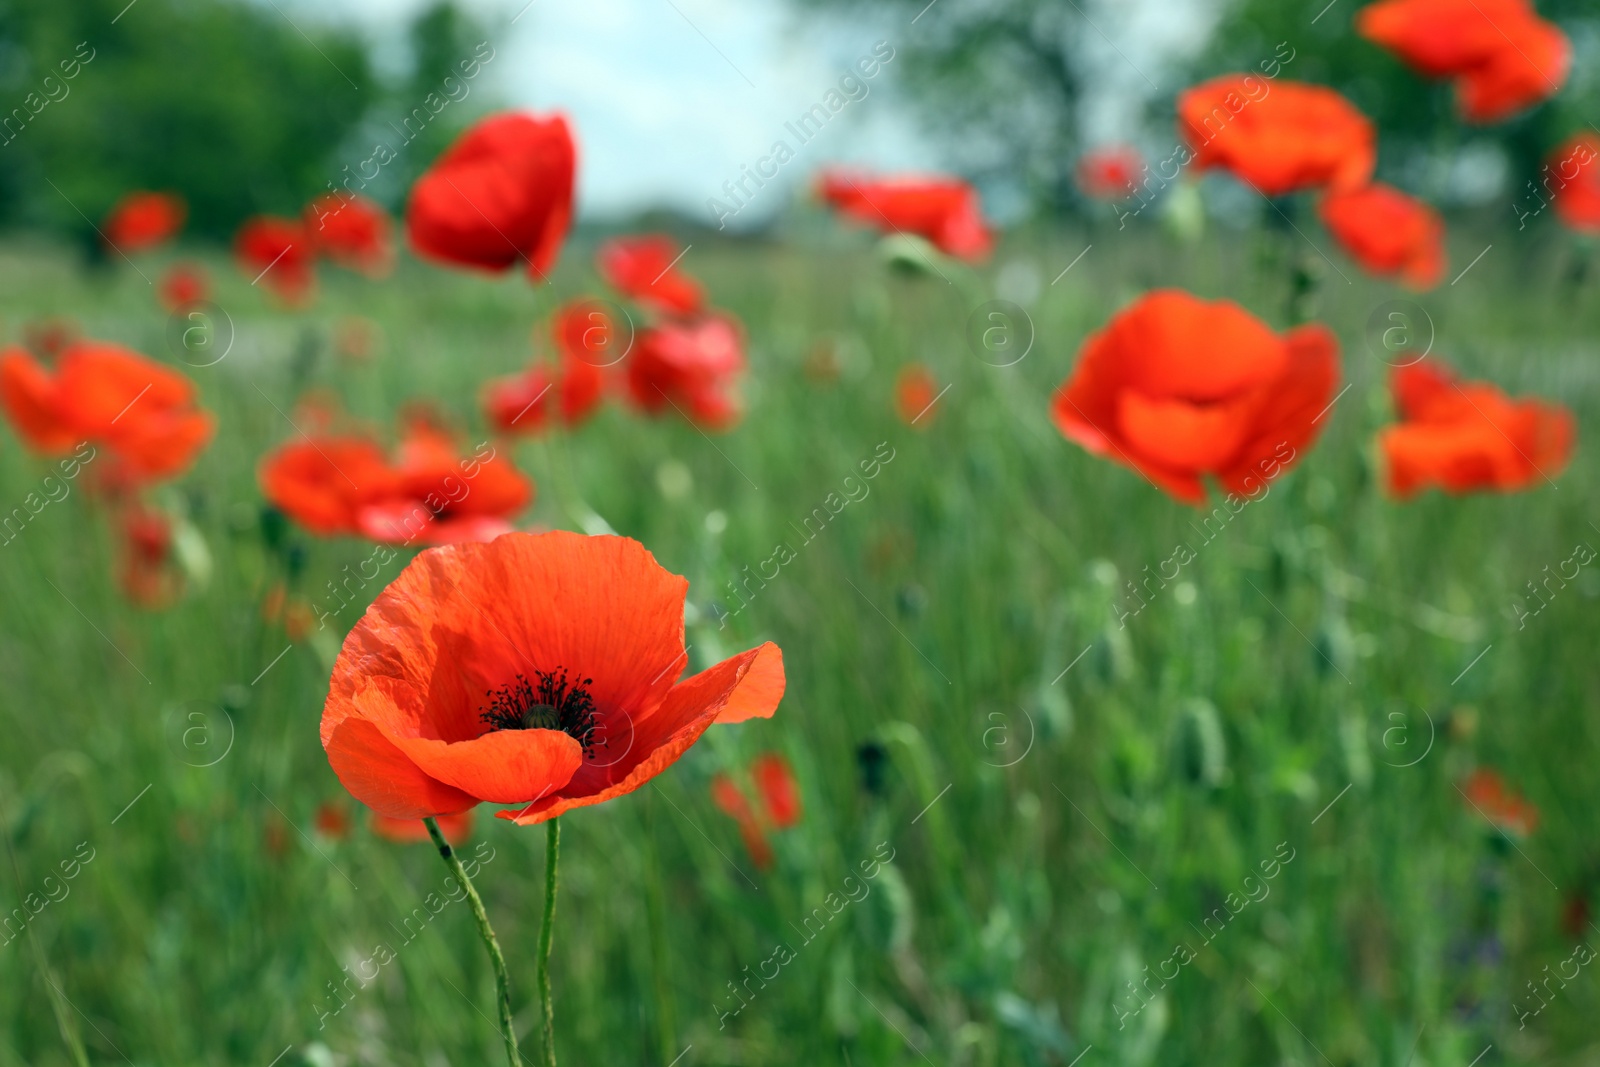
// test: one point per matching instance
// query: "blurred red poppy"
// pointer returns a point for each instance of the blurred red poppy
(522, 402)
(943, 210)
(1178, 387)
(1278, 136)
(143, 412)
(779, 792)
(645, 268)
(1388, 233)
(141, 221)
(1110, 172)
(278, 255)
(1572, 174)
(332, 820)
(345, 485)
(1467, 436)
(353, 231)
(457, 829)
(1576, 915)
(915, 390)
(440, 498)
(1488, 795)
(538, 670)
(323, 482)
(691, 367)
(184, 285)
(146, 569)
(1503, 56)
(725, 793)
(778, 806)
(501, 194)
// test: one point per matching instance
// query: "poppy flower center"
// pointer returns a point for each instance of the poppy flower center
(553, 703)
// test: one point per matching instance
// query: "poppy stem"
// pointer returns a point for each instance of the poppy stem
(547, 934)
(485, 931)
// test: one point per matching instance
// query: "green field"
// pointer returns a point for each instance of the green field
(1066, 799)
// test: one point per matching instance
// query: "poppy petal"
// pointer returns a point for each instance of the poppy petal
(29, 394)
(1293, 413)
(1179, 434)
(501, 767)
(760, 690)
(384, 778)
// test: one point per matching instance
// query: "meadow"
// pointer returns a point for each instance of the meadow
(1069, 797)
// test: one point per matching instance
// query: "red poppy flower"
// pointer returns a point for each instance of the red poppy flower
(147, 570)
(143, 412)
(537, 670)
(690, 366)
(779, 792)
(353, 231)
(332, 821)
(586, 338)
(278, 254)
(1488, 795)
(1110, 172)
(457, 829)
(779, 807)
(521, 403)
(142, 221)
(1576, 915)
(324, 482)
(1178, 387)
(1278, 136)
(439, 498)
(1388, 233)
(1503, 55)
(1532, 67)
(1466, 436)
(184, 285)
(915, 390)
(337, 485)
(645, 268)
(1573, 176)
(945, 211)
(732, 802)
(500, 194)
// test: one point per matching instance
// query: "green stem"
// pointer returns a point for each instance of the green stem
(486, 932)
(546, 935)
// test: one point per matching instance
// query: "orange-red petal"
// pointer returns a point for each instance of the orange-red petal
(760, 690)
(381, 776)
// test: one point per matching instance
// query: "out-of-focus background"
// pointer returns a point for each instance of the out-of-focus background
(250, 107)
(1053, 789)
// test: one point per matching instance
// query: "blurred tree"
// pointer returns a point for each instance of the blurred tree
(226, 103)
(1423, 143)
(233, 105)
(998, 80)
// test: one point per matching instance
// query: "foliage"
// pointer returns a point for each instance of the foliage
(240, 107)
(1108, 787)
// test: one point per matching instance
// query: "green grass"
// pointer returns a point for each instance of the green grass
(1303, 651)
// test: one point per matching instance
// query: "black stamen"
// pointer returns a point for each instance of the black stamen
(554, 704)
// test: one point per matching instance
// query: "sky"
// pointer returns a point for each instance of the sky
(672, 97)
